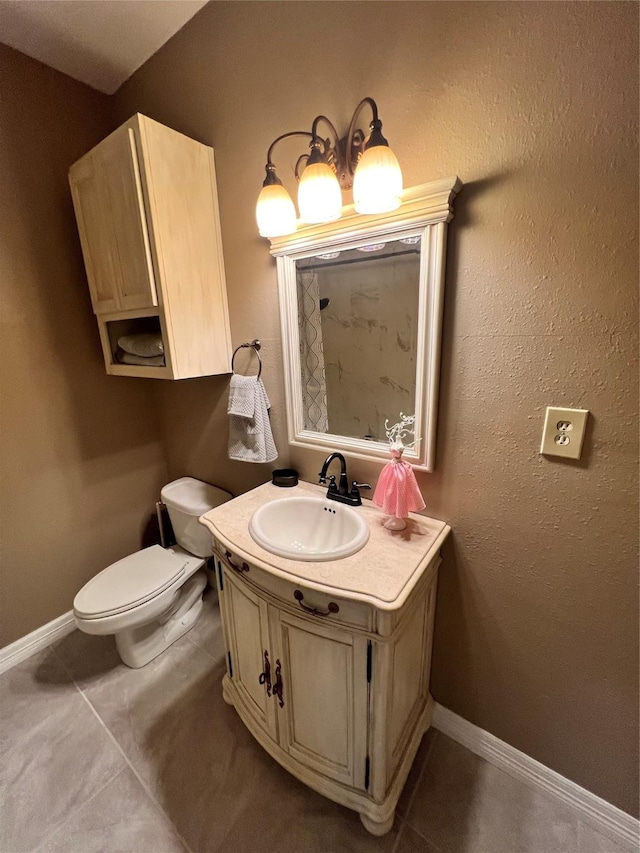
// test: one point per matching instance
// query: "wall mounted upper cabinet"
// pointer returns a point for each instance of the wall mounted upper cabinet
(147, 211)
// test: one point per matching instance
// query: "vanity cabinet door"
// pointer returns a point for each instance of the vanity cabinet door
(246, 623)
(323, 716)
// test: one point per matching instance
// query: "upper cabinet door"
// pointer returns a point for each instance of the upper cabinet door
(137, 288)
(107, 196)
(95, 225)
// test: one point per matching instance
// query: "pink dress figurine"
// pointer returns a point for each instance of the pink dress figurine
(397, 491)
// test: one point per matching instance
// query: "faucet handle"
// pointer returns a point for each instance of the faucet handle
(332, 484)
(355, 488)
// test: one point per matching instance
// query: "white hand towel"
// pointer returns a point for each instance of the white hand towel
(250, 436)
(242, 396)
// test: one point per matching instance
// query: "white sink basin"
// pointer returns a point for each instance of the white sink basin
(309, 529)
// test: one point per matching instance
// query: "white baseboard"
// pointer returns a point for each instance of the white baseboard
(36, 640)
(610, 819)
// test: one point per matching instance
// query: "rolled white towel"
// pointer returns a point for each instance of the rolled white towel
(145, 345)
(148, 361)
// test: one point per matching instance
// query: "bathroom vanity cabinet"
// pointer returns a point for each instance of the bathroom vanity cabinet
(147, 212)
(328, 663)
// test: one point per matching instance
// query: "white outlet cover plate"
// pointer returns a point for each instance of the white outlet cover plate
(563, 433)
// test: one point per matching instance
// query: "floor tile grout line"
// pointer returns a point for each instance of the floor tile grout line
(195, 643)
(69, 671)
(430, 841)
(63, 822)
(402, 828)
(405, 822)
(135, 772)
(420, 775)
(202, 648)
(60, 660)
(432, 844)
(62, 825)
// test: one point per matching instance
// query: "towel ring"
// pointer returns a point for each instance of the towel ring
(255, 346)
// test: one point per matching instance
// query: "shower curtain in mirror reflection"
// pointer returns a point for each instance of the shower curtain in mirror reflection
(314, 388)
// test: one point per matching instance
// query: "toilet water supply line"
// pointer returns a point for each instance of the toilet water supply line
(159, 508)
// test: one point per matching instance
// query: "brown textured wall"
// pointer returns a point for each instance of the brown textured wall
(534, 106)
(81, 458)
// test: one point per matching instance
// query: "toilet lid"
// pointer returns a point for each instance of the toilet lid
(130, 582)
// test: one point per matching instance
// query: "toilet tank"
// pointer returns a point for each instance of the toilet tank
(186, 500)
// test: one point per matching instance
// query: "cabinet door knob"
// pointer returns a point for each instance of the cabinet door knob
(229, 557)
(332, 606)
(265, 676)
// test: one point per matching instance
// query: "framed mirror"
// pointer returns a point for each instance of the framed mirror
(361, 314)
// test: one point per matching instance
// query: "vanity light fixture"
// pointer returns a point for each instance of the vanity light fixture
(364, 162)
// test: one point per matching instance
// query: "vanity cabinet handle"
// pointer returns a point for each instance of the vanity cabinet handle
(332, 606)
(243, 568)
(277, 687)
(265, 677)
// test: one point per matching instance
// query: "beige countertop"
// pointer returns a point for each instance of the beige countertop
(382, 573)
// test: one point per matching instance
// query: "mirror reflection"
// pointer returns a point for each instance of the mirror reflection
(358, 328)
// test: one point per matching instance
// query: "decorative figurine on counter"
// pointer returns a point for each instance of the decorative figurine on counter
(397, 491)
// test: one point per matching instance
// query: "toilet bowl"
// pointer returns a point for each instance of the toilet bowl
(153, 597)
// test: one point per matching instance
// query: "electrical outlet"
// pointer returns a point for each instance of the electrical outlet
(563, 432)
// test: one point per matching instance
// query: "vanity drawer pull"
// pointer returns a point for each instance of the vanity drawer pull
(332, 606)
(243, 568)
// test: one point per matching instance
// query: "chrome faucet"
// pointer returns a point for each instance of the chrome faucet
(340, 491)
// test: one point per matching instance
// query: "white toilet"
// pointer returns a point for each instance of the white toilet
(151, 598)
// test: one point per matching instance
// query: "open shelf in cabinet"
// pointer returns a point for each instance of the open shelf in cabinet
(114, 326)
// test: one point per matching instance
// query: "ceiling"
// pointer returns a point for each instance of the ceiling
(100, 42)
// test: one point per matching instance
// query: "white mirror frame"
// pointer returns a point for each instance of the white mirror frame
(425, 210)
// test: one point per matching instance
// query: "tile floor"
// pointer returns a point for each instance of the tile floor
(99, 758)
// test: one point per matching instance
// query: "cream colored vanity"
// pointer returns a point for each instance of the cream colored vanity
(328, 662)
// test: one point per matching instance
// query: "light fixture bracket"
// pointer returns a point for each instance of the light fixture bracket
(335, 155)
(346, 157)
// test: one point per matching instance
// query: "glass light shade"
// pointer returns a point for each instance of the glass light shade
(275, 212)
(319, 194)
(377, 183)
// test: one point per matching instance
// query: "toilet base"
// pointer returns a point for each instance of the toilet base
(138, 646)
